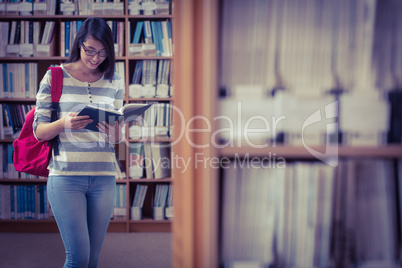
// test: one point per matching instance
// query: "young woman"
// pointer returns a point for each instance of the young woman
(81, 183)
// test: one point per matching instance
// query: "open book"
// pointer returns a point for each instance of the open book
(128, 112)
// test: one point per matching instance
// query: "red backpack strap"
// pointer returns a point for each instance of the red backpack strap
(56, 86)
(56, 89)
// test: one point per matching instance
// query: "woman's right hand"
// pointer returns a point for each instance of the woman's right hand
(72, 121)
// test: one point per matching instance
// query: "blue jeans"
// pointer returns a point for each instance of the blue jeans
(82, 207)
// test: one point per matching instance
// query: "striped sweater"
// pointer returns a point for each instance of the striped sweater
(81, 152)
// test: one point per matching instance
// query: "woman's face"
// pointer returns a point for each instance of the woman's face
(92, 53)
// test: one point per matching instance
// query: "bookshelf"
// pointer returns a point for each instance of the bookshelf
(198, 222)
(122, 15)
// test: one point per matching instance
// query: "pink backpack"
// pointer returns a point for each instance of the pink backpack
(30, 155)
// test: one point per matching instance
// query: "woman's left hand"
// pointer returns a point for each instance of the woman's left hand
(114, 132)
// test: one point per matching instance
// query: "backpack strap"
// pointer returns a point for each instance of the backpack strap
(56, 89)
(56, 86)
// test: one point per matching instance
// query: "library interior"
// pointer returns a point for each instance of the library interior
(273, 136)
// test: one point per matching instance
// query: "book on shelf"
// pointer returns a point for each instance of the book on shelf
(137, 32)
(68, 31)
(395, 117)
(139, 195)
(148, 161)
(4, 30)
(155, 158)
(68, 7)
(147, 32)
(138, 201)
(67, 36)
(6, 127)
(156, 38)
(134, 7)
(136, 79)
(13, 29)
(13, 118)
(128, 112)
(136, 158)
(25, 38)
(12, 8)
(148, 8)
(161, 160)
(121, 70)
(17, 35)
(364, 118)
(117, 28)
(26, 7)
(48, 32)
(317, 214)
(156, 122)
(155, 34)
(167, 39)
(169, 213)
(151, 78)
(120, 173)
(160, 199)
(119, 210)
(161, 194)
(24, 202)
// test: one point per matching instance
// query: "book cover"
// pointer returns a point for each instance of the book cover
(17, 36)
(161, 160)
(13, 27)
(148, 162)
(147, 32)
(1, 127)
(155, 37)
(30, 31)
(128, 112)
(165, 39)
(137, 32)
(5, 81)
(136, 160)
(67, 39)
(137, 73)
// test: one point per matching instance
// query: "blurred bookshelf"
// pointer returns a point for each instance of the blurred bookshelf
(276, 49)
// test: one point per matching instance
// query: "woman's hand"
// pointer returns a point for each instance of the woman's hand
(72, 121)
(114, 132)
(47, 131)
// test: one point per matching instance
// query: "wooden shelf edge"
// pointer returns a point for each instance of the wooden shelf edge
(50, 58)
(50, 226)
(7, 141)
(150, 221)
(166, 16)
(17, 100)
(23, 181)
(150, 226)
(387, 151)
(148, 57)
(61, 16)
(35, 181)
(30, 59)
(150, 180)
(28, 226)
(149, 99)
(151, 139)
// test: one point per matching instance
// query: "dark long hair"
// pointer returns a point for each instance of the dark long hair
(99, 30)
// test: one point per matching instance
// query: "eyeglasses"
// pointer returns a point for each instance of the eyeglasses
(92, 53)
